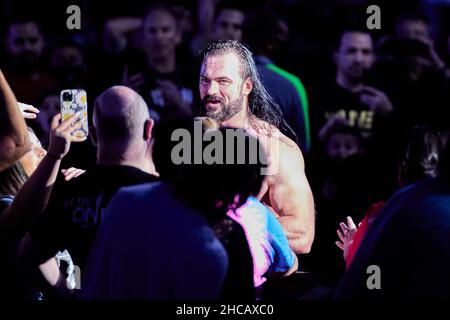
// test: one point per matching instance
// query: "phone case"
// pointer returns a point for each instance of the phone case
(72, 101)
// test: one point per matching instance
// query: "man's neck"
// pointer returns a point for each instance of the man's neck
(239, 120)
(145, 165)
(347, 83)
(163, 64)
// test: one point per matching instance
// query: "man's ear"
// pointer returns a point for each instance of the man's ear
(148, 127)
(247, 87)
(93, 134)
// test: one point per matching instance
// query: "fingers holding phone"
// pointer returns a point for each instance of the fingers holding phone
(74, 101)
(61, 134)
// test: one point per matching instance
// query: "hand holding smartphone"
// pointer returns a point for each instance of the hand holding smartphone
(73, 101)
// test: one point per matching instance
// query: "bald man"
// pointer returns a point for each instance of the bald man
(122, 131)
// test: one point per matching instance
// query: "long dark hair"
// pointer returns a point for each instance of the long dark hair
(202, 185)
(261, 104)
(12, 179)
(423, 154)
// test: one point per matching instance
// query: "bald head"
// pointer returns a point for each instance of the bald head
(119, 116)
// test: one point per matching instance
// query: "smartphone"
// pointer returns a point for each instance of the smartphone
(72, 101)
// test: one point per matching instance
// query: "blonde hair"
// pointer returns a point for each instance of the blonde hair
(208, 123)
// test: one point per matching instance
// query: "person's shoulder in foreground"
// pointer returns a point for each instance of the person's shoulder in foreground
(406, 252)
(152, 246)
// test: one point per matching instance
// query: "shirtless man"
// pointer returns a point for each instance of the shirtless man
(233, 95)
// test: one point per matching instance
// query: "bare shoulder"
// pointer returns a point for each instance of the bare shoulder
(282, 151)
(268, 131)
(290, 155)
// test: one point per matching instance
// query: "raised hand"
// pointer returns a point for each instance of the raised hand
(376, 100)
(346, 235)
(71, 173)
(28, 111)
(61, 134)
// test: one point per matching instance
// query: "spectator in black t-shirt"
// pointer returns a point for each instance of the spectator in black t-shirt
(368, 109)
(123, 132)
(156, 72)
(349, 97)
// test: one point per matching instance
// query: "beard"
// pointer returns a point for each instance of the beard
(224, 111)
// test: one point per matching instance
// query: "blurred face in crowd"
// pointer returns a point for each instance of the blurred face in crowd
(228, 24)
(161, 33)
(25, 45)
(355, 55)
(342, 145)
(222, 89)
(68, 65)
(185, 22)
(413, 29)
(32, 158)
(279, 39)
(283, 31)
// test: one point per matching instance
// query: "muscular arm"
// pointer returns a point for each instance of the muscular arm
(290, 196)
(14, 140)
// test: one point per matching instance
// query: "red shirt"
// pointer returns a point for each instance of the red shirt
(362, 229)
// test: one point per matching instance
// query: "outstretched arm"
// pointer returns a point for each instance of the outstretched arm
(34, 194)
(14, 140)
